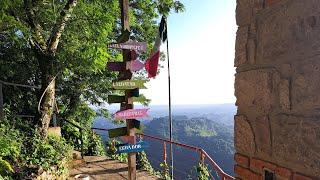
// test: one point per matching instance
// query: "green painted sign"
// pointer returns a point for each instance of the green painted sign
(116, 99)
(129, 84)
(117, 132)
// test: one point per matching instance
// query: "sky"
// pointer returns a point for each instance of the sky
(201, 48)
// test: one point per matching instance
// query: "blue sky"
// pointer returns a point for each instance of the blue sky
(201, 45)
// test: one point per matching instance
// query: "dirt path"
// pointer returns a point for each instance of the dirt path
(103, 168)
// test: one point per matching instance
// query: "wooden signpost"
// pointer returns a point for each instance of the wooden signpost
(130, 148)
(131, 90)
(129, 84)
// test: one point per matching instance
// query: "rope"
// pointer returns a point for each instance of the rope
(54, 78)
(19, 85)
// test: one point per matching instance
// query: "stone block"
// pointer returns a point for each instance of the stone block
(246, 174)
(262, 133)
(254, 91)
(283, 173)
(244, 12)
(300, 177)
(289, 33)
(284, 95)
(241, 46)
(241, 160)
(271, 2)
(244, 137)
(296, 142)
(259, 165)
(306, 88)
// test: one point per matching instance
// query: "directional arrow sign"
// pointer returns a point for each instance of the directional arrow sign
(131, 114)
(135, 65)
(116, 99)
(116, 66)
(129, 148)
(132, 45)
(117, 132)
(129, 84)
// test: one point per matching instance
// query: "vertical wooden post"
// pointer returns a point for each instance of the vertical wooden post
(124, 4)
(164, 152)
(1, 103)
(202, 157)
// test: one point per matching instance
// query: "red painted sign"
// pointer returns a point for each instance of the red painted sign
(131, 114)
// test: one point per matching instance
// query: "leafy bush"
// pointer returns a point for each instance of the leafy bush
(47, 153)
(22, 150)
(203, 172)
(111, 151)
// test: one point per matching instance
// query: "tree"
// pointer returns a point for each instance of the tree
(61, 45)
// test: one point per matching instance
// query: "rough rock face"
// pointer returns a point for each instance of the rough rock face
(277, 85)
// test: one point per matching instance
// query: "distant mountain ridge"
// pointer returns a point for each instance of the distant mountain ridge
(214, 137)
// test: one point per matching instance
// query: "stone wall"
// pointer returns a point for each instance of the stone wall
(277, 85)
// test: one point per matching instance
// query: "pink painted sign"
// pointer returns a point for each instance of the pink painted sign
(136, 65)
(131, 114)
(132, 45)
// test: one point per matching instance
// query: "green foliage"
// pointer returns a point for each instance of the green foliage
(203, 172)
(45, 154)
(165, 174)
(111, 151)
(143, 162)
(5, 168)
(83, 117)
(22, 148)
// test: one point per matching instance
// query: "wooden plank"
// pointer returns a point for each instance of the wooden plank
(116, 99)
(129, 84)
(129, 148)
(117, 132)
(130, 45)
(116, 66)
(131, 114)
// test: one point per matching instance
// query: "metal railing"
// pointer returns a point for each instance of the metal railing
(202, 153)
(81, 135)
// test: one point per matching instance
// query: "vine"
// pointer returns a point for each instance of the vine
(203, 172)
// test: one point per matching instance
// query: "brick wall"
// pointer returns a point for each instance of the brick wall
(277, 85)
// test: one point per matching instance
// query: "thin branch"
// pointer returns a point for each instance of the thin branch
(60, 25)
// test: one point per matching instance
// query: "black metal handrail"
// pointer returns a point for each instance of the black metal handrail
(81, 136)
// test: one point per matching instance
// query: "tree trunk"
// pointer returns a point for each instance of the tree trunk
(47, 101)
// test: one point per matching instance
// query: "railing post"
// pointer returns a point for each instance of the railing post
(164, 152)
(202, 156)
